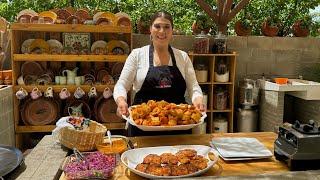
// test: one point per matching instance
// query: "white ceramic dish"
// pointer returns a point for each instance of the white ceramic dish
(233, 148)
(163, 128)
(131, 158)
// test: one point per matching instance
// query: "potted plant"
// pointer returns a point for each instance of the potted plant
(270, 27)
(143, 24)
(243, 27)
(202, 23)
(301, 27)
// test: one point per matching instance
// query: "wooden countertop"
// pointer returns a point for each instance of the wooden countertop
(222, 168)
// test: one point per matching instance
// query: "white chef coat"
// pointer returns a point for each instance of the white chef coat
(136, 68)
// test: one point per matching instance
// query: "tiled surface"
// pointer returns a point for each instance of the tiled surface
(6, 117)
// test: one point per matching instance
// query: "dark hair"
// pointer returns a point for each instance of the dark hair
(162, 14)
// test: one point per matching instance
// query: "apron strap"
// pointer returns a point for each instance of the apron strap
(151, 50)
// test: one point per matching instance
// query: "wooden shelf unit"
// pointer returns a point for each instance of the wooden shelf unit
(21, 32)
(209, 87)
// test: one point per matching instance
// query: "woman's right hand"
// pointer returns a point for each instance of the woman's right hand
(122, 107)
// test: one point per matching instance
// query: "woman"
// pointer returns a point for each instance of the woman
(157, 72)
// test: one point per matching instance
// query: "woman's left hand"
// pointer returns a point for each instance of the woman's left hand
(198, 103)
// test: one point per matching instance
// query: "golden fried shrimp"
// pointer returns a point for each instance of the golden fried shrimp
(168, 158)
(196, 116)
(179, 170)
(191, 168)
(142, 167)
(152, 159)
(164, 120)
(154, 169)
(138, 121)
(187, 152)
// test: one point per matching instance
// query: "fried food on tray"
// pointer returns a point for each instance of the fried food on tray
(162, 113)
(152, 159)
(184, 162)
(168, 158)
(154, 169)
(179, 170)
(187, 152)
(142, 167)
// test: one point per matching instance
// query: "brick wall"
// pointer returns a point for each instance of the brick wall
(6, 117)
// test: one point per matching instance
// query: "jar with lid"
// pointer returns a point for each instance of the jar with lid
(249, 92)
(220, 44)
(201, 73)
(220, 99)
(220, 124)
(221, 72)
(201, 43)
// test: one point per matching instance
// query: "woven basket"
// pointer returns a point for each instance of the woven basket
(85, 140)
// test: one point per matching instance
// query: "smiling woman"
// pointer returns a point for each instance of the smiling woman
(157, 72)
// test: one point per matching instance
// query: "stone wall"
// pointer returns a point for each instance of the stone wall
(6, 117)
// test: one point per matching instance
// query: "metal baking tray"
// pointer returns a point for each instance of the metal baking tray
(10, 159)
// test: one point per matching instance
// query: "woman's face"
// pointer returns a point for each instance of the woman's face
(161, 31)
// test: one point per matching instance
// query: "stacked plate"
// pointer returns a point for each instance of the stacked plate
(232, 148)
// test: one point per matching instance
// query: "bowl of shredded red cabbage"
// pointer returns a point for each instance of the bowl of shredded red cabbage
(94, 165)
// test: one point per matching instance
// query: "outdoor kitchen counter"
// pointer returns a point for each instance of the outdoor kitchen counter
(45, 165)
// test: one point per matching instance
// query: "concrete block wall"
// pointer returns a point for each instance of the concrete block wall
(6, 117)
(271, 110)
(273, 56)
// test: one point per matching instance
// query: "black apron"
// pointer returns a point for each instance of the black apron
(161, 83)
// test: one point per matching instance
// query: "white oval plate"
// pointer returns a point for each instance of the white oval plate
(163, 128)
(131, 158)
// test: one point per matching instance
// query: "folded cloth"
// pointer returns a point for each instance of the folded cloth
(62, 122)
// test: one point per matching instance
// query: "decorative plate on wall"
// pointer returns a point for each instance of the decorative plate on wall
(117, 47)
(41, 111)
(77, 41)
(55, 46)
(39, 46)
(25, 46)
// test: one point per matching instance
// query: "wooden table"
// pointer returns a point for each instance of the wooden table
(222, 168)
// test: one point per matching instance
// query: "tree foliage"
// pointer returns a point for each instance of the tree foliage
(183, 11)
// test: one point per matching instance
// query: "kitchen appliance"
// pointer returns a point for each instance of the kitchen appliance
(249, 92)
(247, 118)
(298, 145)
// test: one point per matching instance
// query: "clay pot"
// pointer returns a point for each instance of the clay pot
(270, 31)
(197, 30)
(241, 30)
(298, 31)
(143, 27)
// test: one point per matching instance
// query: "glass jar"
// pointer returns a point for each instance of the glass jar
(220, 44)
(221, 72)
(220, 99)
(201, 73)
(220, 124)
(201, 43)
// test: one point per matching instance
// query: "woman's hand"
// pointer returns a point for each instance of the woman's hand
(122, 107)
(198, 103)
